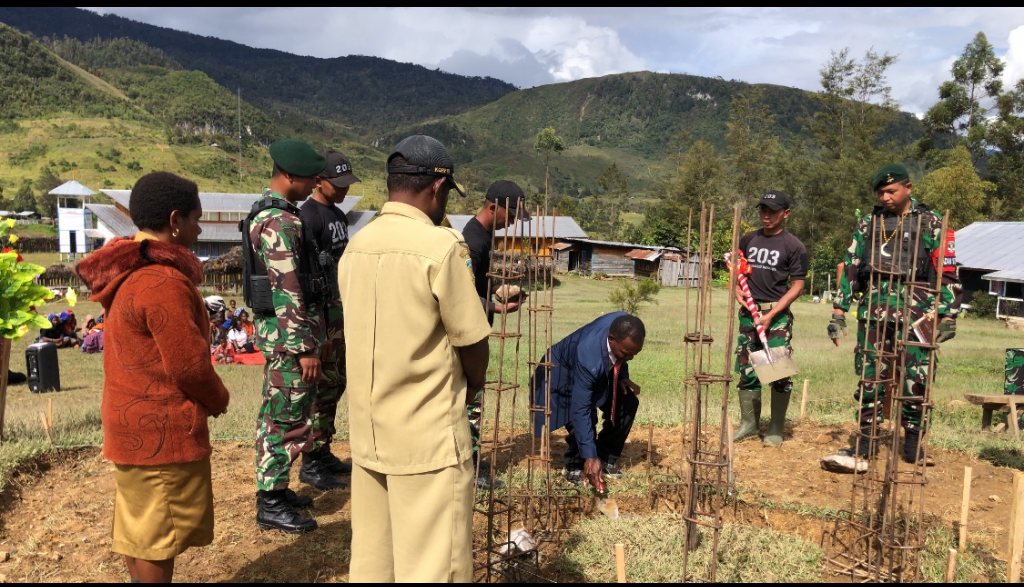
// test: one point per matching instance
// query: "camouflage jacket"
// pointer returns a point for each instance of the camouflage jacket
(296, 328)
(887, 300)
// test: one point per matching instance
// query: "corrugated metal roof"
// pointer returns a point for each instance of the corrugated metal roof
(992, 246)
(544, 226)
(623, 245)
(72, 189)
(564, 226)
(116, 220)
(1015, 276)
(224, 201)
(644, 254)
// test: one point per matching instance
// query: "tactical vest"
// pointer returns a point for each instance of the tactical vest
(904, 256)
(256, 289)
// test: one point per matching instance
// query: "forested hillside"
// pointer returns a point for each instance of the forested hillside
(109, 111)
(375, 95)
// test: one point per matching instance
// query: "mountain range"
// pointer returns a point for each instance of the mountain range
(366, 104)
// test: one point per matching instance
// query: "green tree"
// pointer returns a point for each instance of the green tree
(976, 75)
(24, 199)
(46, 181)
(630, 296)
(955, 187)
(1006, 166)
(752, 144)
(849, 130)
(548, 143)
(610, 200)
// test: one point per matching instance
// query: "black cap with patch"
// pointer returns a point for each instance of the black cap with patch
(424, 156)
(774, 200)
(339, 170)
(510, 195)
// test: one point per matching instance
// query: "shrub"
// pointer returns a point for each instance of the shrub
(629, 296)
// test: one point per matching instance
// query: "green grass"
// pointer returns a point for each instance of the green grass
(35, 230)
(745, 553)
(970, 363)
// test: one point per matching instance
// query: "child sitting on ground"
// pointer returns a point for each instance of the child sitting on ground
(223, 353)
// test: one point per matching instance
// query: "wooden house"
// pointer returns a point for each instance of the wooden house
(617, 259)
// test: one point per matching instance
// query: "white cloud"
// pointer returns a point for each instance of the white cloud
(542, 45)
(1014, 57)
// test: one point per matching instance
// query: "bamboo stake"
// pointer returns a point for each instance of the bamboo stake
(803, 401)
(1016, 529)
(965, 508)
(951, 565)
(5, 363)
(49, 413)
(620, 562)
(46, 429)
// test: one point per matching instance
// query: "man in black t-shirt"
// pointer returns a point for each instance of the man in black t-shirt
(320, 213)
(779, 266)
(505, 202)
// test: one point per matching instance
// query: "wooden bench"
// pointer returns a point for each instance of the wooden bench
(990, 403)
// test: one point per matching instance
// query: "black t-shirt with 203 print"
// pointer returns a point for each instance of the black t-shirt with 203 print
(773, 260)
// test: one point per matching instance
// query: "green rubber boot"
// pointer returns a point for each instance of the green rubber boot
(780, 403)
(750, 414)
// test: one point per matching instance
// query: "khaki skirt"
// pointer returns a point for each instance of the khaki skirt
(162, 510)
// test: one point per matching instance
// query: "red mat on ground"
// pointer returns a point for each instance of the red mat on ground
(246, 359)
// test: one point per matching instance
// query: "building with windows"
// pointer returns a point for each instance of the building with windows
(221, 215)
(75, 232)
(989, 261)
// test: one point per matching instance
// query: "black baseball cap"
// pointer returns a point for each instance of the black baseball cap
(509, 194)
(338, 170)
(424, 156)
(774, 200)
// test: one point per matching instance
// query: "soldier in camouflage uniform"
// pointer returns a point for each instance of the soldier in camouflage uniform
(290, 337)
(1014, 384)
(778, 262)
(876, 357)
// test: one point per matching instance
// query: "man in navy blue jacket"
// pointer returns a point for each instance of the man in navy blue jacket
(591, 371)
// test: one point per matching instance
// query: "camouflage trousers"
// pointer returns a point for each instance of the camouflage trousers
(329, 391)
(475, 413)
(879, 367)
(285, 421)
(779, 334)
(1014, 384)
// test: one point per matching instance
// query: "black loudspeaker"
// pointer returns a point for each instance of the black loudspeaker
(43, 369)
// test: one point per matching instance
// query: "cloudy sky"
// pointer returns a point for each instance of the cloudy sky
(530, 47)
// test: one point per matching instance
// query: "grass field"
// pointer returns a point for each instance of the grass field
(970, 363)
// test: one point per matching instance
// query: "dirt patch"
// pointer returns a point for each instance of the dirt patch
(55, 516)
(56, 527)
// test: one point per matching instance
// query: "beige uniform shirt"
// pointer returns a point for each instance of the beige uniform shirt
(407, 289)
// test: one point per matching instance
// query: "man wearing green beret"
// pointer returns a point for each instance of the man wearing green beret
(286, 286)
(899, 242)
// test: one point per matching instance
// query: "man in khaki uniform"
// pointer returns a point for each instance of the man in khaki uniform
(417, 351)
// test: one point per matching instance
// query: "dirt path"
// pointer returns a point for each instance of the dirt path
(55, 519)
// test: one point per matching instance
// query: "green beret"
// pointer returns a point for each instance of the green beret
(297, 158)
(891, 173)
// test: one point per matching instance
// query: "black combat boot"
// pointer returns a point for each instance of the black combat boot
(335, 465)
(295, 500)
(911, 443)
(314, 472)
(273, 512)
(862, 446)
